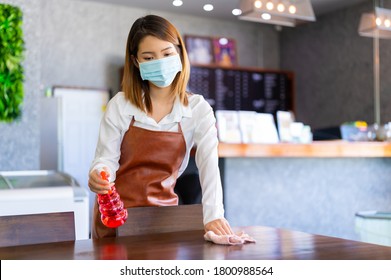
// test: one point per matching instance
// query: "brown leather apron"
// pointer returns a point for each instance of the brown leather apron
(149, 165)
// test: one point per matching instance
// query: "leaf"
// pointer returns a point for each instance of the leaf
(11, 57)
(2, 106)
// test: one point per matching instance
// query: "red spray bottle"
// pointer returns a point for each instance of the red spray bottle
(111, 207)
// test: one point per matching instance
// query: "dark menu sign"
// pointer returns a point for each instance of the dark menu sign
(243, 89)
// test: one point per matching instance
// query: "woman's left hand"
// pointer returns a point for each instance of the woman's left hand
(219, 227)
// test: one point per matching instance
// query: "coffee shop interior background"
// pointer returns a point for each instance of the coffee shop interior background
(82, 44)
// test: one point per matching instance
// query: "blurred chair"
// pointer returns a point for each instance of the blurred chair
(36, 228)
(145, 220)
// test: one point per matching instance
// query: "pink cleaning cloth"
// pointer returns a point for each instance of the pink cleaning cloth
(229, 239)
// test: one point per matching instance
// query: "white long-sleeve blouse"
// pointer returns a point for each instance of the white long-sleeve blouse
(198, 127)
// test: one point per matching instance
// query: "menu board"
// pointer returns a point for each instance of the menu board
(243, 89)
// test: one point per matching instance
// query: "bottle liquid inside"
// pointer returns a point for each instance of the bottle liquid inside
(111, 207)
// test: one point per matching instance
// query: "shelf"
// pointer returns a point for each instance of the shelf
(337, 148)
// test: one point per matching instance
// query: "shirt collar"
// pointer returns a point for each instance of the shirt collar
(178, 112)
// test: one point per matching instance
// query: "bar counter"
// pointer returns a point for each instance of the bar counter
(337, 148)
(272, 244)
(316, 188)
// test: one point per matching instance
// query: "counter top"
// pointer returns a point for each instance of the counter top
(272, 244)
(335, 148)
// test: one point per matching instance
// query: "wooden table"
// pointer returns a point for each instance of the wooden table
(272, 244)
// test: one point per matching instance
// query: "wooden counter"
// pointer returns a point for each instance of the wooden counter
(329, 179)
(337, 148)
(272, 244)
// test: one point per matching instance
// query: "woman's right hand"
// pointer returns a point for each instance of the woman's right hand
(97, 184)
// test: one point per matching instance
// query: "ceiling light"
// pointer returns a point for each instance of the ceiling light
(280, 7)
(236, 12)
(223, 41)
(266, 16)
(283, 12)
(376, 24)
(292, 9)
(208, 7)
(378, 21)
(269, 5)
(177, 3)
(258, 4)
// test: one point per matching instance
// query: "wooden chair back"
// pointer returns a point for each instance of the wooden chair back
(144, 220)
(36, 228)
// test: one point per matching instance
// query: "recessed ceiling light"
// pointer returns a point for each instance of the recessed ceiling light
(236, 12)
(177, 3)
(258, 4)
(270, 5)
(280, 7)
(378, 21)
(292, 9)
(266, 16)
(208, 7)
(223, 41)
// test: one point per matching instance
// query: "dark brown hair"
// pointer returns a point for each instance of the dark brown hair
(132, 84)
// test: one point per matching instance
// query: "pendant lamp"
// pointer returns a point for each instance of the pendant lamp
(376, 24)
(278, 12)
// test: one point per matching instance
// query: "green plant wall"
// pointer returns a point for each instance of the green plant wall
(11, 56)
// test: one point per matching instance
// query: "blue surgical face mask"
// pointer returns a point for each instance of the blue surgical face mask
(161, 72)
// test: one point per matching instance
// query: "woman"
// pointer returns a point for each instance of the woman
(148, 130)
